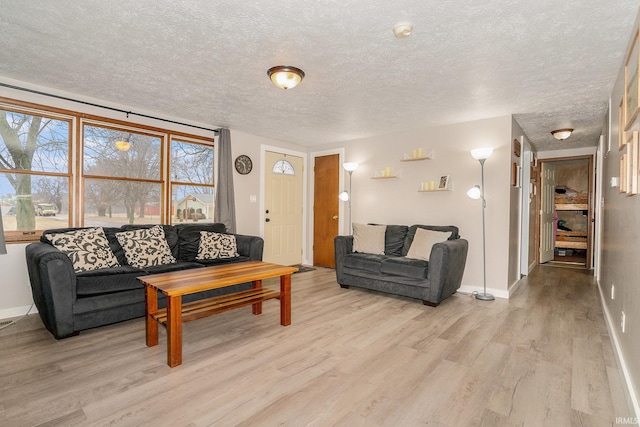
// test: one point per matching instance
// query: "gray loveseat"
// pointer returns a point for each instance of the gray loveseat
(430, 281)
(69, 302)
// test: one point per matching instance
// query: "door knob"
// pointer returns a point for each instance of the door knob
(335, 217)
(267, 220)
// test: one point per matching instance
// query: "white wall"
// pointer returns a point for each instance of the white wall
(620, 262)
(397, 201)
(248, 215)
(515, 205)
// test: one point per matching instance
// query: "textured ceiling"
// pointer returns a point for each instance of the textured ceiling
(551, 63)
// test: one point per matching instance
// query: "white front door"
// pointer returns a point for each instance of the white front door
(547, 209)
(283, 208)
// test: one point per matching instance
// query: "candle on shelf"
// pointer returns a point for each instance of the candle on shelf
(387, 171)
(422, 186)
(414, 154)
(419, 153)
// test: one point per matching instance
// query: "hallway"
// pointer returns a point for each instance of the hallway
(565, 314)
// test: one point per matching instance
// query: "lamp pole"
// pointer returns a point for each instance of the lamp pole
(349, 167)
(350, 196)
(484, 296)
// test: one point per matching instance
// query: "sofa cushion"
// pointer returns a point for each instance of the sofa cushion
(87, 248)
(217, 261)
(394, 239)
(369, 238)
(453, 230)
(145, 247)
(423, 241)
(189, 238)
(368, 262)
(115, 279)
(406, 267)
(216, 245)
(167, 268)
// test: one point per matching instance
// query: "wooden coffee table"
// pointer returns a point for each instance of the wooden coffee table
(178, 283)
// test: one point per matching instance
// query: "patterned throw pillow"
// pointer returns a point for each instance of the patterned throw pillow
(217, 245)
(87, 248)
(145, 247)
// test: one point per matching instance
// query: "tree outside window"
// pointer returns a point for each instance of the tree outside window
(34, 171)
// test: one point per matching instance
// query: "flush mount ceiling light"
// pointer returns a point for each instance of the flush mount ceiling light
(402, 30)
(285, 77)
(561, 134)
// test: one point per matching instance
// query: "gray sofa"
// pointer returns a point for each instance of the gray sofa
(430, 281)
(69, 302)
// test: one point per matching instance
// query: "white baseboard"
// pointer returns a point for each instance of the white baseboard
(621, 362)
(480, 289)
(513, 288)
(8, 313)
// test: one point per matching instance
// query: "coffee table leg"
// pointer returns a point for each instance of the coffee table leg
(151, 299)
(285, 300)
(174, 331)
(257, 307)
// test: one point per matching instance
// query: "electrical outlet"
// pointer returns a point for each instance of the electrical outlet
(613, 291)
(623, 321)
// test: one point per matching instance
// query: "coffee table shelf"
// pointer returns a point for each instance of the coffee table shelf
(207, 307)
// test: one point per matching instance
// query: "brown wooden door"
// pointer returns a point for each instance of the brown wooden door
(325, 209)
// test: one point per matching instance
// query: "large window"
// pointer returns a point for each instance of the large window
(122, 176)
(34, 172)
(191, 181)
(61, 168)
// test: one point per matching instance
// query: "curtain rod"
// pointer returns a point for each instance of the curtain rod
(105, 107)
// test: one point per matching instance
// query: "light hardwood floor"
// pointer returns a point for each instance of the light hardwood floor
(349, 358)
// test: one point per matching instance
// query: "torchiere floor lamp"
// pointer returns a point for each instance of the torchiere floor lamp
(477, 192)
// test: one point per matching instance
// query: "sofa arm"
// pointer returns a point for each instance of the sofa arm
(53, 285)
(250, 246)
(343, 245)
(446, 267)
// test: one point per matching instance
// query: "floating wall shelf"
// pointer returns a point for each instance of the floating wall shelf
(414, 159)
(417, 155)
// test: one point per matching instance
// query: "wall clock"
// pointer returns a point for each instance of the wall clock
(243, 164)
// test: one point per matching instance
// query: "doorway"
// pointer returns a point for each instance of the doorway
(566, 211)
(283, 208)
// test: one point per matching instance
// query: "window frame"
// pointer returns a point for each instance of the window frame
(75, 168)
(54, 114)
(169, 192)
